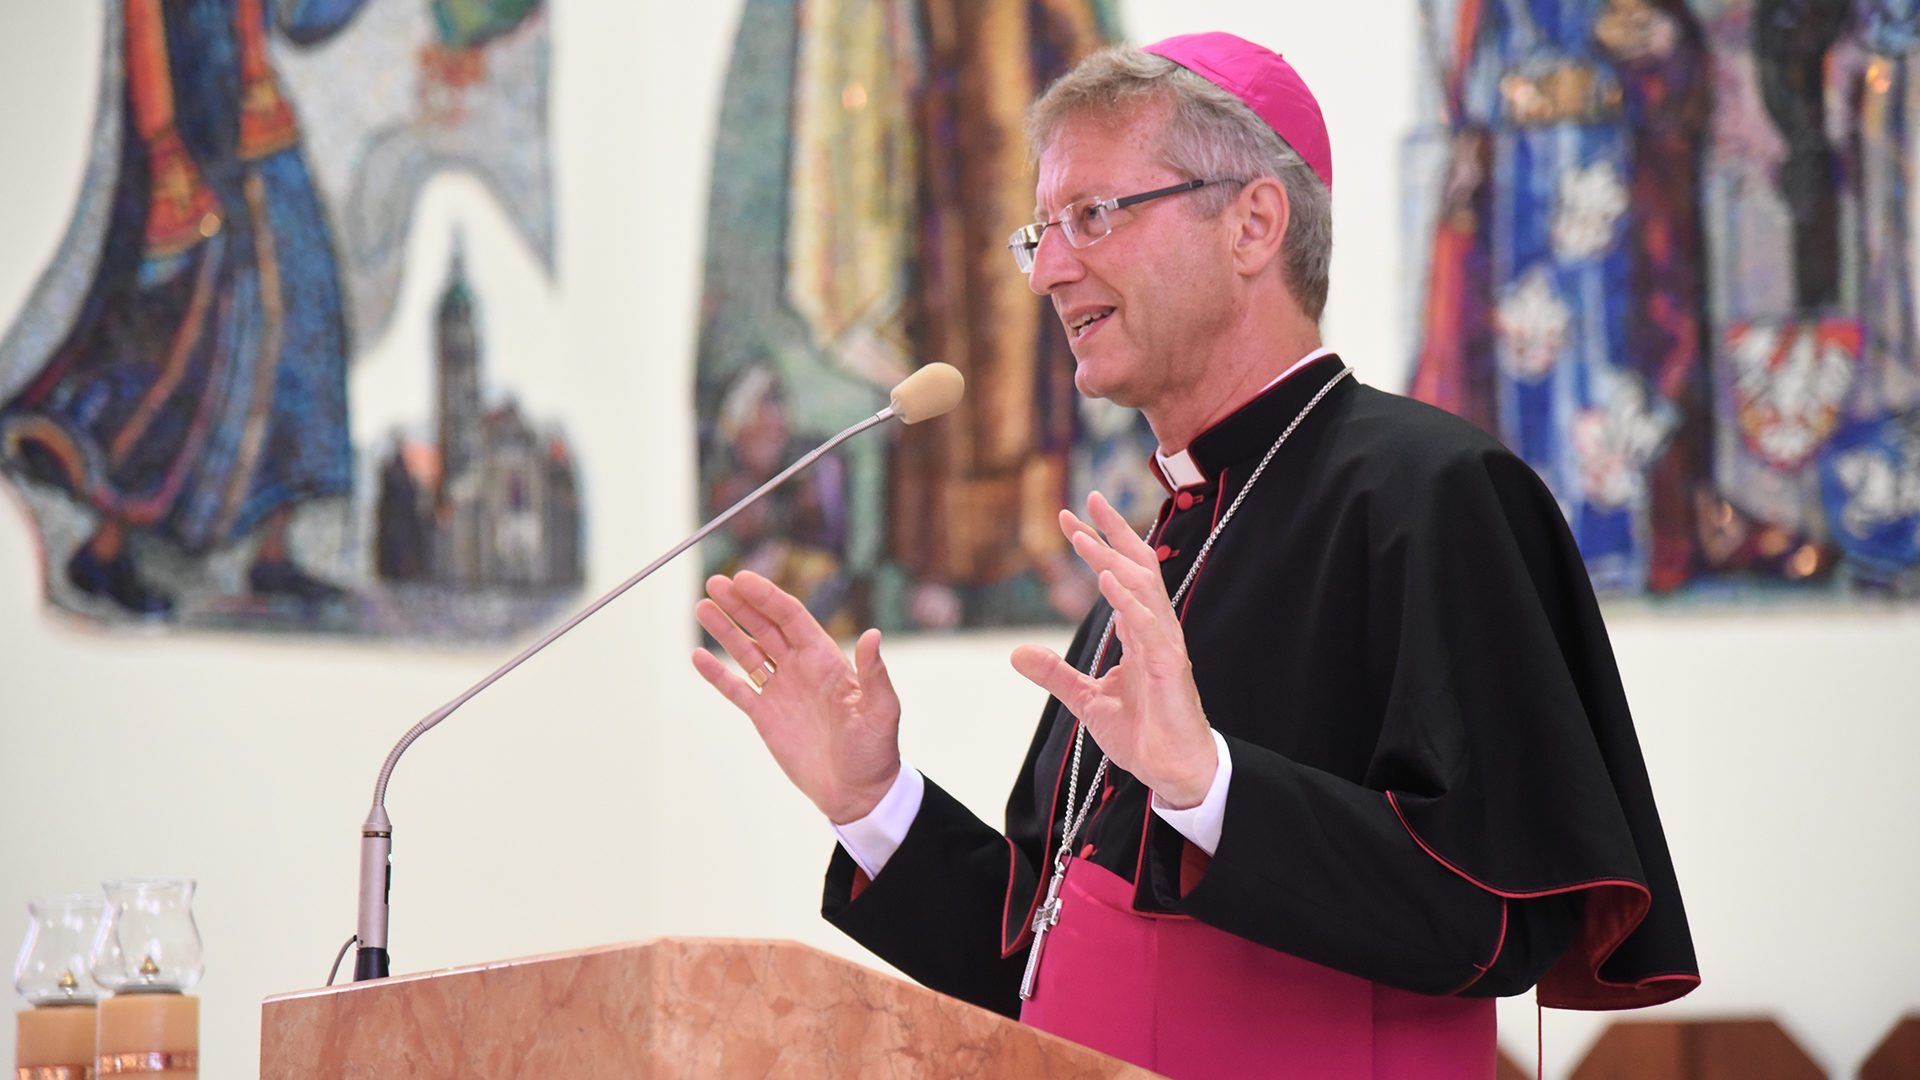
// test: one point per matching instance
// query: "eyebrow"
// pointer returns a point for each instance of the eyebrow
(1041, 215)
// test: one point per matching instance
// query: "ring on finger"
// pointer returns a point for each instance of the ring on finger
(759, 676)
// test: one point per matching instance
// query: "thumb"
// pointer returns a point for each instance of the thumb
(1044, 668)
(868, 668)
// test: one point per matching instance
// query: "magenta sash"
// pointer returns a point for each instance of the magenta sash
(1182, 998)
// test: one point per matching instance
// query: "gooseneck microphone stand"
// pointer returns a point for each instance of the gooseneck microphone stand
(928, 392)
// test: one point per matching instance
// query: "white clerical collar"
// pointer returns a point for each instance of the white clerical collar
(1179, 468)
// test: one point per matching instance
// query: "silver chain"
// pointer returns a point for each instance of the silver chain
(1071, 822)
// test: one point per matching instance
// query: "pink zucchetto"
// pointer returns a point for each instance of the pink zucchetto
(1267, 83)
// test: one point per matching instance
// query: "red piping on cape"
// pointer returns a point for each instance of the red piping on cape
(1006, 907)
(1498, 944)
(1615, 909)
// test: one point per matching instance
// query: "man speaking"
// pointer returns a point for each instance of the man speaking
(1342, 753)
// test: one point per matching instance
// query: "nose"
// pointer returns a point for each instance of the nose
(1055, 263)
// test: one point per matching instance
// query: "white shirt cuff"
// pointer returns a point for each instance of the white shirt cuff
(1201, 824)
(873, 839)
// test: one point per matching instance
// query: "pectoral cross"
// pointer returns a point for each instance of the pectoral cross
(1044, 919)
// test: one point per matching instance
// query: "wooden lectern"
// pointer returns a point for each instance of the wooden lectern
(711, 1008)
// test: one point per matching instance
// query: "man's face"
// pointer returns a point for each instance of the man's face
(1143, 306)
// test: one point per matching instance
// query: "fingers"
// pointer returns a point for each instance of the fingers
(745, 651)
(791, 626)
(1130, 580)
(759, 625)
(1142, 583)
(731, 686)
(776, 622)
(744, 605)
(1072, 526)
(1118, 550)
(1120, 535)
(1128, 571)
(1101, 558)
(1133, 614)
(1146, 625)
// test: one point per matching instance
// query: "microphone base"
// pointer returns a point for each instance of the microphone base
(370, 964)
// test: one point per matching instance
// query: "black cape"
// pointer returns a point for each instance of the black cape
(1436, 783)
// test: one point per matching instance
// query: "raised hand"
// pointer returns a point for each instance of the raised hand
(832, 727)
(1145, 712)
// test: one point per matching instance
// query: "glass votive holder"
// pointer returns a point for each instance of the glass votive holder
(54, 962)
(54, 1040)
(148, 942)
(148, 954)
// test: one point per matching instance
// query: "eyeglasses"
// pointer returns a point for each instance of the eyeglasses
(1087, 223)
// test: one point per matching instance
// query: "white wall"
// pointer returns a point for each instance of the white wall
(554, 811)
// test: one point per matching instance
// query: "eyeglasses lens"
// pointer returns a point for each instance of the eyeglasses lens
(1023, 243)
(1081, 223)
(1084, 222)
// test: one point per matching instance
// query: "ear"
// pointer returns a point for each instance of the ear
(1261, 215)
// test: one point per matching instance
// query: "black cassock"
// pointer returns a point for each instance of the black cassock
(1436, 783)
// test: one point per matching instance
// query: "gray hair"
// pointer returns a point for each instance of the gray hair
(1208, 134)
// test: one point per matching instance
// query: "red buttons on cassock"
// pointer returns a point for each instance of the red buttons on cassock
(1164, 552)
(1184, 500)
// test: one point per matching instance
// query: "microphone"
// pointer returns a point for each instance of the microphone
(929, 392)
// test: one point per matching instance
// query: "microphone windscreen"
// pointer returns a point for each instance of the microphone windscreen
(929, 392)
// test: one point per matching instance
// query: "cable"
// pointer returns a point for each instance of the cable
(339, 956)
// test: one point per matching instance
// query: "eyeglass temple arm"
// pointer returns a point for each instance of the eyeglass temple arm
(1131, 200)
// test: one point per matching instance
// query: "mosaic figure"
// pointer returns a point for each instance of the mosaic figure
(200, 392)
(1548, 320)
(1671, 265)
(173, 398)
(869, 166)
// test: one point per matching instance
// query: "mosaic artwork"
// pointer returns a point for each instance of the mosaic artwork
(1667, 257)
(173, 396)
(870, 165)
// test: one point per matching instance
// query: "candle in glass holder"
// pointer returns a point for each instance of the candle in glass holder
(54, 1040)
(148, 954)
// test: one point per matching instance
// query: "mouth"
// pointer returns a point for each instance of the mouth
(1080, 325)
